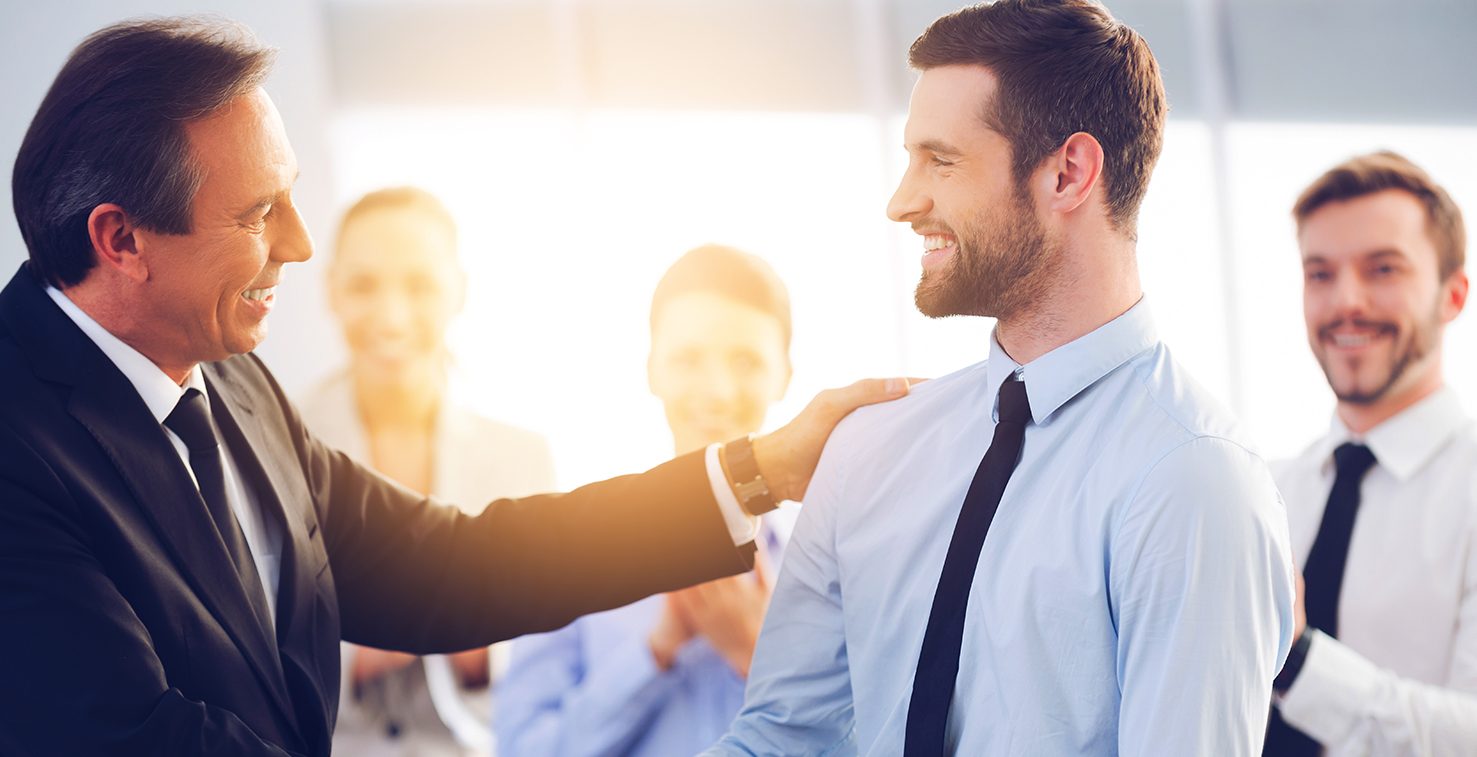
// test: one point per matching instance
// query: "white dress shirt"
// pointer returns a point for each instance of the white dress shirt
(161, 394)
(1401, 679)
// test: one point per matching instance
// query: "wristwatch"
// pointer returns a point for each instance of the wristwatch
(743, 475)
(1295, 659)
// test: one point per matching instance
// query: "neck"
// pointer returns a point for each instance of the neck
(398, 406)
(1361, 418)
(117, 318)
(1097, 283)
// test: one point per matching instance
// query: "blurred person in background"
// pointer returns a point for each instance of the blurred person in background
(665, 675)
(1383, 508)
(395, 284)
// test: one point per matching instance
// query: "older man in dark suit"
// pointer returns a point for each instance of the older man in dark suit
(179, 557)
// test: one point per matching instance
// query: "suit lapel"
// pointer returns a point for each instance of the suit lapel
(276, 479)
(109, 407)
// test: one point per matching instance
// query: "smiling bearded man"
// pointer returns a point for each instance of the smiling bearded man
(1134, 594)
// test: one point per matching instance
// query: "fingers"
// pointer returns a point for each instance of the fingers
(839, 402)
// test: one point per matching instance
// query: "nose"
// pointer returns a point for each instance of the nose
(909, 202)
(291, 242)
(392, 311)
(1348, 296)
(718, 384)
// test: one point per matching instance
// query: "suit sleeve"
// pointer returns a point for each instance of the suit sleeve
(80, 675)
(418, 577)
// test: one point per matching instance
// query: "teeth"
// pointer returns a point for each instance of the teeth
(1352, 340)
(259, 294)
(936, 242)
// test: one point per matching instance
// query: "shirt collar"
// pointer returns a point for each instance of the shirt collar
(158, 391)
(1059, 375)
(1404, 444)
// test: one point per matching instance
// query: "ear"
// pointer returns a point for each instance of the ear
(115, 242)
(1453, 296)
(1072, 173)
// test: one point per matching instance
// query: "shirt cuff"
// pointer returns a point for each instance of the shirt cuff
(742, 526)
(1334, 686)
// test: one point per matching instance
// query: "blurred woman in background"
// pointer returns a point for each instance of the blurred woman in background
(395, 285)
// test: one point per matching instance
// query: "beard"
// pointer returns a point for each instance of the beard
(1409, 349)
(1002, 264)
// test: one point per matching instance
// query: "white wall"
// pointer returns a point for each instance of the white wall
(35, 39)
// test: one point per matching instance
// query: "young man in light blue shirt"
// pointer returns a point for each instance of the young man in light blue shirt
(665, 675)
(1113, 577)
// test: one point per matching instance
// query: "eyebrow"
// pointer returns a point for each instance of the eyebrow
(934, 146)
(1377, 254)
(270, 199)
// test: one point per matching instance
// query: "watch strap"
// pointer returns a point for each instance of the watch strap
(743, 474)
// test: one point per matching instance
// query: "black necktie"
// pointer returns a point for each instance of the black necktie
(191, 421)
(938, 661)
(1323, 576)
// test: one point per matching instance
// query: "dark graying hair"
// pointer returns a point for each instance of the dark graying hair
(112, 130)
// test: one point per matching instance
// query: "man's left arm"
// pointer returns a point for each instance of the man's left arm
(1349, 703)
(1202, 590)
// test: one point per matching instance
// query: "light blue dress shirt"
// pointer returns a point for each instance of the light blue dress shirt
(1134, 595)
(592, 687)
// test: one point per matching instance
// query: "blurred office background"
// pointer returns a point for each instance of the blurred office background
(584, 144)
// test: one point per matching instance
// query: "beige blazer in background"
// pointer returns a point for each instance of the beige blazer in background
(476, 461)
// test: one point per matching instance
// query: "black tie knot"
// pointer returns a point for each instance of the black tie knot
(1014, 407)
(191, 421)
(1352, 459)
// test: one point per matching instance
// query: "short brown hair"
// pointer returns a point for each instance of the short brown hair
(112, 130)
(730, 273)
(1063, 66)
(1383, 170)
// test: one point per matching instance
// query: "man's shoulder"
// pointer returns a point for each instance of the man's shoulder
(1177, 406)
(873, 428)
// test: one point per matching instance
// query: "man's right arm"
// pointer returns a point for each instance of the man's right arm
(80, 672)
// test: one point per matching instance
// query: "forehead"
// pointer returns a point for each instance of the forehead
(711, 320)
(401, 236)
(1391, 220)
(947, 104)
(243, 149)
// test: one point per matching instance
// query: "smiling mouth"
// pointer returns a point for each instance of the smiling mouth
(1356, 338)
(259, 294)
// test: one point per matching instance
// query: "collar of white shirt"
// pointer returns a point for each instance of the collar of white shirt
(1405, 443)
(1059, 375)
(158, 391)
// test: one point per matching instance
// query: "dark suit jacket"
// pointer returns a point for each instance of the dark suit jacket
(124, 630)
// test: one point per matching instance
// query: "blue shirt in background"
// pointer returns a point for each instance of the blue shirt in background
(592, 687)
(1134, 595)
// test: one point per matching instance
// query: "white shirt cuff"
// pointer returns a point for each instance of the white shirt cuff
(742, 526)
(1334, 686)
